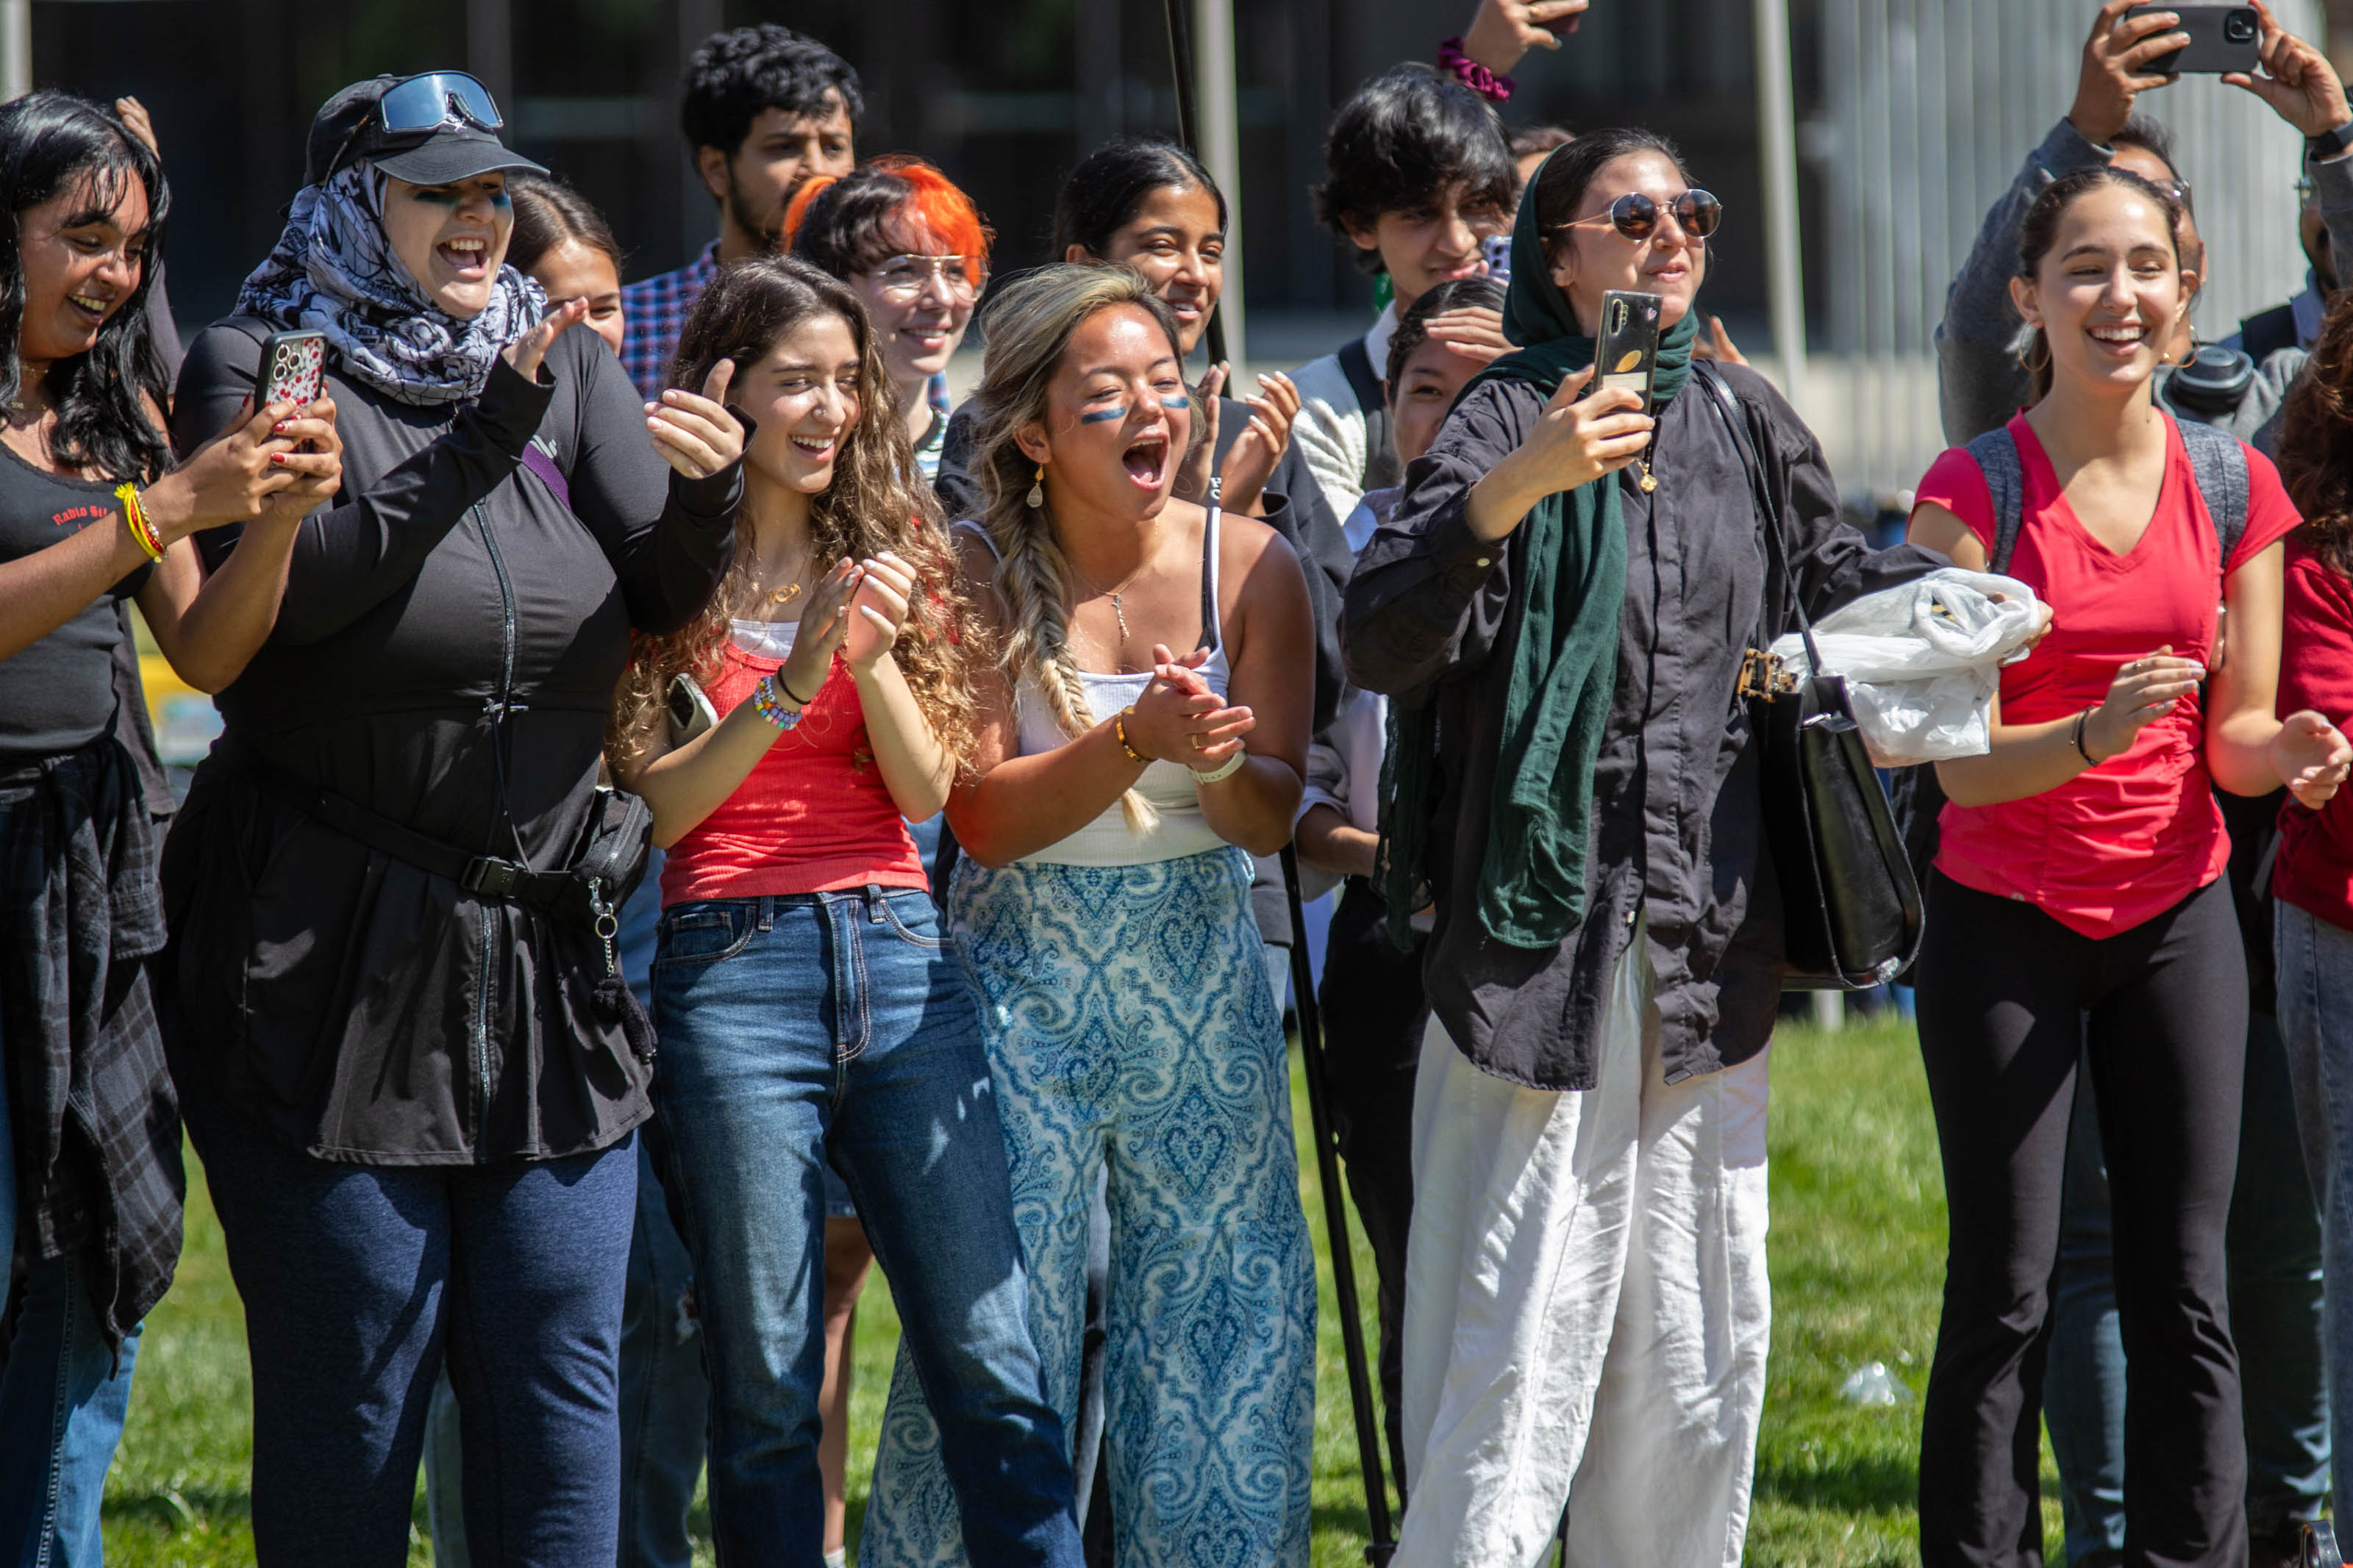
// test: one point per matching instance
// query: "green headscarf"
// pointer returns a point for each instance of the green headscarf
(1564, 662)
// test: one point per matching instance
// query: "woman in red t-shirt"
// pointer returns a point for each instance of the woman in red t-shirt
(2312, 877)
(805, 1003)
(2077, 910)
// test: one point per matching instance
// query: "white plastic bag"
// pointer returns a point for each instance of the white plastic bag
(1923, 661)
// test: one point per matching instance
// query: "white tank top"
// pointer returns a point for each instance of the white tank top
(1107, 841)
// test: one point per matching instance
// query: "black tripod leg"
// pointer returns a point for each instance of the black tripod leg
(1336, 1227)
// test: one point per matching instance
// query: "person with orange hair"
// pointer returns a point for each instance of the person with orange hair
(915, 250)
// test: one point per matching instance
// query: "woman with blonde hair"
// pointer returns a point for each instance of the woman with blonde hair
(803, 996)
(1103, 910)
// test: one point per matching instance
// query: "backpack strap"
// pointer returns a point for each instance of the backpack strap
(1997, 456)
(2267, 333)
(1382, 470)
(2220, 463)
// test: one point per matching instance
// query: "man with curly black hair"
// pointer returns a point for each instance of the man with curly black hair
(764, 107)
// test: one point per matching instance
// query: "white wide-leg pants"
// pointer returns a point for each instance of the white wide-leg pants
(1586, 1310)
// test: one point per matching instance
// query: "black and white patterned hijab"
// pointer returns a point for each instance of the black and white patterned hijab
(333, 270)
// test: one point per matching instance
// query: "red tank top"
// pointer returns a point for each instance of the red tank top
(2128, 840)
(814, 817)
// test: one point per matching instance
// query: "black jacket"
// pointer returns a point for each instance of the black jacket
(1430, 616)
(446, 658)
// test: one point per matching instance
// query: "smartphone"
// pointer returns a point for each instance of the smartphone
(293, 368)
(690, 713)
(2222, 39)
(1627, 348)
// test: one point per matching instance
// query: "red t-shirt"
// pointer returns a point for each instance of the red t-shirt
(814, 817)
(2314, 868)
(2128, 839)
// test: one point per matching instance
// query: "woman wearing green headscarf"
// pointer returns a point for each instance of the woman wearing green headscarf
(1557, 607)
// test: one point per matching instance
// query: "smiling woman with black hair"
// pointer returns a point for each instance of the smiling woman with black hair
(92, 516)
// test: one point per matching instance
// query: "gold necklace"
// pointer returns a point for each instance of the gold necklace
(1118, 610)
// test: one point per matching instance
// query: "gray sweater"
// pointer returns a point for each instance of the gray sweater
(1980, 382)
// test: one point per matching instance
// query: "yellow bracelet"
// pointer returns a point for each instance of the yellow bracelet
(135, 517)
(1119, 728)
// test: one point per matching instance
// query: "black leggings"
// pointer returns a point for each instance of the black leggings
(2009, 1001)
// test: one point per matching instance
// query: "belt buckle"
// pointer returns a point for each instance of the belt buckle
(490, 878)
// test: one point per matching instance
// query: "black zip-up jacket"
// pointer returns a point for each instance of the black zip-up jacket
(1431, 616)
(445, 657)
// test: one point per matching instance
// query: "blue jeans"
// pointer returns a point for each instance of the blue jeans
(358, 1280)
(2273, 1244)
(789, 1024)
(63, 1398)
(665, 1398)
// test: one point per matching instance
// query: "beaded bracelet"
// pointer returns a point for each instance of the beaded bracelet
(767, 703)
(1224, 770)
(1119, 728)
(135, 519)
(1471, 74)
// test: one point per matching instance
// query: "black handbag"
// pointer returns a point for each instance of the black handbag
(1850, 907)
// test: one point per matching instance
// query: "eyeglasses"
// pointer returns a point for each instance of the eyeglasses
(1636, 215)
(905, 278)
(2175, 190)
(427, 103)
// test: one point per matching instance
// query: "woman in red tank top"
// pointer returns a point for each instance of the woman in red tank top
(2077, 910)
(806, 1005)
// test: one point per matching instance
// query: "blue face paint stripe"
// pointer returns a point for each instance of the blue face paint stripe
(1100, 415)
(1176, 402)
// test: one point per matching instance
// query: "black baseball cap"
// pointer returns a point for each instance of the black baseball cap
(433, 129)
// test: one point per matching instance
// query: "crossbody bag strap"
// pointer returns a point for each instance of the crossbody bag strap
(2219, 462)
(1382, 470)
(1768, 509)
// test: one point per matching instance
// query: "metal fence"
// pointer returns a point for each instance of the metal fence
(1926, 110)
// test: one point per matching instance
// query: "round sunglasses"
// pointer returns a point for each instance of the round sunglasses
(1636, 215)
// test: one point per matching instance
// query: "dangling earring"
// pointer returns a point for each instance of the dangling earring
(1037, 496)
(2027, 357)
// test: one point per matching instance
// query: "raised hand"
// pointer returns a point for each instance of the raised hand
(2312, 757)
(2145, 688)
(697, 435)
(317, 461)
(1504, 30)
(527, 351)
(1578, 439)
(824, 626)
(2114, 69)
(1475, 334)
(1193, 474)
(1716, 344)
(1249, 463)
(234, 477)
(2298, 81)
(878, 610)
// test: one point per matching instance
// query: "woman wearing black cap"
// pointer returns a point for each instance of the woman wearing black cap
(407, 1062)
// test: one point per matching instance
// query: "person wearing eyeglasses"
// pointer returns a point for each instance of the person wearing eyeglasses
(1557, 606)
(394, 1012)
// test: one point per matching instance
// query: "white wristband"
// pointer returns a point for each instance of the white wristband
(1224, 770)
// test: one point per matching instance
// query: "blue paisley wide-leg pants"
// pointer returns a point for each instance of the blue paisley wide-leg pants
(1128, 1021)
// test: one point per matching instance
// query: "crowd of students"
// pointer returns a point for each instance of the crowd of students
(948, 748)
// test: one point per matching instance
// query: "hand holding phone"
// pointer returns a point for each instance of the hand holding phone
(2222, 38)
(1626, 350)
(293, 368)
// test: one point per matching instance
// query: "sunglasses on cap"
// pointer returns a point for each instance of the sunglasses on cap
(1636, 215)
(423, 103)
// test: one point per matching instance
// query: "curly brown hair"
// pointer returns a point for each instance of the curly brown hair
(2315, 446)
(877, 502)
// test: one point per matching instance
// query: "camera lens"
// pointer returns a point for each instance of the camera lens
(2239, 27)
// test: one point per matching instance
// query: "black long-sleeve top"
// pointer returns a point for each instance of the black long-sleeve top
(1430, 616)
(446, 658)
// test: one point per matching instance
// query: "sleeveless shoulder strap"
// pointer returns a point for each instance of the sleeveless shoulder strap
(1210, 635)
(1997, 456)
(969, 526)
(2220, 463)
(1382, 470)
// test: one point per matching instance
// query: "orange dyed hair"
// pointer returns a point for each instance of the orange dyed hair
(843, 223)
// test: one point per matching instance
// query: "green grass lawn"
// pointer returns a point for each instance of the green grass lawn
(1857, 1256)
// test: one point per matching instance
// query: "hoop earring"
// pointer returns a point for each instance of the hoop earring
(1037, 496)
(2026, 355)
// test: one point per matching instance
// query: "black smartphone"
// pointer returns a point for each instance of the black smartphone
(2222, 39)
(1627, 348)
(293, 368)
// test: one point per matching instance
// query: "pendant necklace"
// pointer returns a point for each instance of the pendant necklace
(1118, 610)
